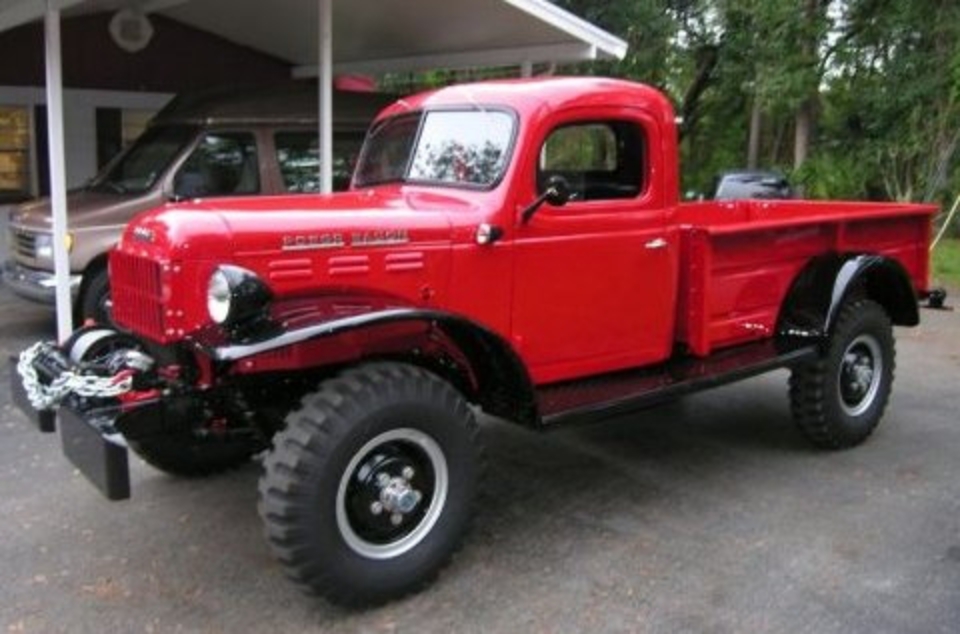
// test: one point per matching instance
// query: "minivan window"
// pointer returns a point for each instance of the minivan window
(298, 157)
(222, 164)
(137, 169)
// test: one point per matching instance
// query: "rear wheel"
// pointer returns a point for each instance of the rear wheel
(371, 486)
(838, 400)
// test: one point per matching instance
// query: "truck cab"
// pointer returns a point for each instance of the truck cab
(512, 247)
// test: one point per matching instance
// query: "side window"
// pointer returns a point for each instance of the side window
(601, 160)
(222, 164)
(298, 157)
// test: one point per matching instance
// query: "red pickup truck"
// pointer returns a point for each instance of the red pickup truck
(512, 247)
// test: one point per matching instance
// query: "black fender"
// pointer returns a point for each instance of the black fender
(503, 386)
(826, 282)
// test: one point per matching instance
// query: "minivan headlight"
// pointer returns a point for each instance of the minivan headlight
(236, 295)
(43, 245)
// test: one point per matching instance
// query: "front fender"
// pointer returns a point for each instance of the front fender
(503, 386)
(293, 321)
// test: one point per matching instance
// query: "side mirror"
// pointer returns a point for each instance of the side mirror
(558, 191)
(557, 194)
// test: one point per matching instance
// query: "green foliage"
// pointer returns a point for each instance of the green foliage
(829, 176)
(879, 79)
(876, 81)
(946, 263)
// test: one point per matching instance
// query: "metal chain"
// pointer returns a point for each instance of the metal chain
(46, 397)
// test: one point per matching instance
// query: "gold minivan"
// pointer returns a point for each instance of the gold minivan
(218, 143)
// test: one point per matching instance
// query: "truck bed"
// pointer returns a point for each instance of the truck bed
(738, 259)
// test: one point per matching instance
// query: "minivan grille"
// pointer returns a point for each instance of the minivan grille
(24, 243)
(136, 287)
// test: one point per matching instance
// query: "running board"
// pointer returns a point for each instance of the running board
(600, 397)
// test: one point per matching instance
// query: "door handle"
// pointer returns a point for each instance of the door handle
(656, 243)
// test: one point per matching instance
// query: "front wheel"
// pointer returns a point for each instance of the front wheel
(371, 486)
(838, 400)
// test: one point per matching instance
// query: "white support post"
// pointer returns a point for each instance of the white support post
(325, 83)
(526, 69)
(58, 178)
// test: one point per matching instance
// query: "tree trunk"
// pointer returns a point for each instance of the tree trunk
(707, 58)
(753, 144)
(803, 131)
(802, 134)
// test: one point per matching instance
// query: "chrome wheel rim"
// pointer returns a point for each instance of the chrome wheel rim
(392, 493)
(861, 370)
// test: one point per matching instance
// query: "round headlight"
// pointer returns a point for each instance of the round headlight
(236, 297)
(219, 296)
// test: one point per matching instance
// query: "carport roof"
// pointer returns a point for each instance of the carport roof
(374, 36)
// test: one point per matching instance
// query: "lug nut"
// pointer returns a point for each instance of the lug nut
(383, 479)
(376, 508)
(395, 519)
(408, 473)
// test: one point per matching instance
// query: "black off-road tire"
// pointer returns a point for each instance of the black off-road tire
(830, 406)
(189, 456)
(320, 483)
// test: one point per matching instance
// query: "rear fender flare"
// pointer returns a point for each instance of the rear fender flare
(826, 282)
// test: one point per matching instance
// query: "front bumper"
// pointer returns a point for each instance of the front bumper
(35, 284)
(94, 429)
(89, 439)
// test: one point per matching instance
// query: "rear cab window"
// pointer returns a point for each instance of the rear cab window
(600, 160)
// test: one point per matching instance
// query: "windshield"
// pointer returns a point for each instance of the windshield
(137, 169)
(447, 147)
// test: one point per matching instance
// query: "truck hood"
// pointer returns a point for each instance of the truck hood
(85, 209)
(262, 226)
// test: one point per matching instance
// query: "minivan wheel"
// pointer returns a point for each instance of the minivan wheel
(95, 302)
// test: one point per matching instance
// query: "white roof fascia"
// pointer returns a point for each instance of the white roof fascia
(14, 13)
(573, 51)
(607, 43)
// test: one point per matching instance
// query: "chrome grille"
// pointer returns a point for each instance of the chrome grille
(136, 287)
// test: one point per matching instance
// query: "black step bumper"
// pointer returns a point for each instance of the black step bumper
(89, 440)
(100, 456)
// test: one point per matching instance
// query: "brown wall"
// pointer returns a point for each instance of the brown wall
(178, 58)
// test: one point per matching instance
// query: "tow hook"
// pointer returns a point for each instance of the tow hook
(937, 299)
